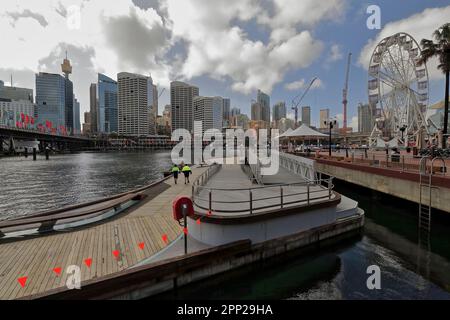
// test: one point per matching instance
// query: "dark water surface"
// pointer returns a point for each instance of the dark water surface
(28, 186)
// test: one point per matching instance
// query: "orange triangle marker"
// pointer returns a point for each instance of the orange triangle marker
(198, 221)
(116, 253)
(57, 270)
(185, 230)
(141, 245)
(88, 262)
(164, 238)
(22, 281)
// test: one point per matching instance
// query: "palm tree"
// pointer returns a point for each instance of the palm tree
(441, 50)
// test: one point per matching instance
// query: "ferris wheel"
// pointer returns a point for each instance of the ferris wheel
(398, 88)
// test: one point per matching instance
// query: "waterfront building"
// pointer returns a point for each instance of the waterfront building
(264, 100)
(366, 119)
(87, 123)
(240, 120)
(181, 101)
(15, 93)
(209, 110)
(134, 103)
(324, 116)
(17, 113)
(306, 116)
(279, 111)
(66, 68)
(76, 116)
(106, 104)
(51, 100)
(93, 101)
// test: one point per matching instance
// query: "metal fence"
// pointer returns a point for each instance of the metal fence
(250, 200)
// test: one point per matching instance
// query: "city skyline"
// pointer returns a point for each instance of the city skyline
(263, 29)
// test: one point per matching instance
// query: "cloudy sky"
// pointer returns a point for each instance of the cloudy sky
(226, 47)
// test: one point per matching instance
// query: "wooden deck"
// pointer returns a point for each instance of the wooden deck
(36, 258)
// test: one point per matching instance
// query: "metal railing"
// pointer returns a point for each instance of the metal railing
(205, 176)
(402, 162)
(275, 196)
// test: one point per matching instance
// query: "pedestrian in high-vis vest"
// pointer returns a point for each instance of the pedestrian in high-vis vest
(175, 171)
(186, 171)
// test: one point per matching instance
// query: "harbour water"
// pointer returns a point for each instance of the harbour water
(31, 186)
(389, 239)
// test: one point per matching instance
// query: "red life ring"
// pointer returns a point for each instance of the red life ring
(177, 207)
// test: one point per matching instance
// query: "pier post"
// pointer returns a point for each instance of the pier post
(34, 154)
(184, 209)
(26, 152)
(251, 202)
(47, 153)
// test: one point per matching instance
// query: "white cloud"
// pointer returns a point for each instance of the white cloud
(419, 26)
(335, 53)
(37, 34)
(220, 49)
(302, 84)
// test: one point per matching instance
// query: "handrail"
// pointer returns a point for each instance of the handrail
(251, 200)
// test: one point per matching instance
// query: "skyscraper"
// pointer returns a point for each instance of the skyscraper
(366, 119)
(226, 110)
(235, 112)
(181, 100)
(67, 70)
(107, 112)
(15, 93)
(279, 111)
(51, 100)
(134, 103)
(76, 116)
(264, 100)
(209, 110)
(93, 108)
(324, 116)
(306, 116)
(256, 111)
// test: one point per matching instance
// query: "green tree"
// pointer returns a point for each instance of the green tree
(440, 49)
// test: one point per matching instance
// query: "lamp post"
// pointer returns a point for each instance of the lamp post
(402, 130)
(330, 124)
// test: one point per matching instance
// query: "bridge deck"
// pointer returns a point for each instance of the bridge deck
(35, 258)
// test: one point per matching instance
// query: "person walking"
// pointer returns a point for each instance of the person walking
(186, 171)
(175, 171)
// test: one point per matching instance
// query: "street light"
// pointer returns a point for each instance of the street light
(330, 125)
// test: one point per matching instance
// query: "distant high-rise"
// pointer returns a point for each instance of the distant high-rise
(279, 111)
(15, 93)
(235, 112)
(67, 70)
(134, 103)
(324, 116)
(226, 109)
(181, 101)
(366, 119)
(76, 116)
(306, 116)
(264, 100)
(256, 111)
(93, 108)
(87, 123)
(106, 105)
(209, 110)
(51, 100)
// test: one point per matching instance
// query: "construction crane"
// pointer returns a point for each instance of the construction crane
(345, 92)
(296, 103)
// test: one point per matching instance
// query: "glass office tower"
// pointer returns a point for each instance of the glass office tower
(107, 104)
(51, 99)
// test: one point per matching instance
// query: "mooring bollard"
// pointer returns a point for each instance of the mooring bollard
(47, 153)
(26, 152)
(34, 154)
